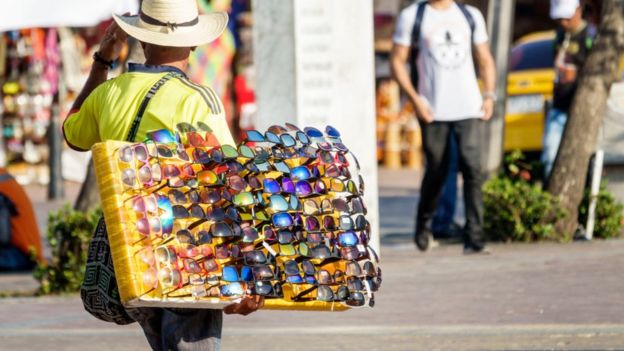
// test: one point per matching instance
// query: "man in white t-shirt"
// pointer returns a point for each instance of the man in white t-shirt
(447, 101)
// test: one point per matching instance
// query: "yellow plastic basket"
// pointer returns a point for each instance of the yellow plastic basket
(125, 244)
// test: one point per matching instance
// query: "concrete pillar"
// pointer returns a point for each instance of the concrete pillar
(500, 28)
(315, 66)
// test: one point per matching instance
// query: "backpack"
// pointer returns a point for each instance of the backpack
(7, 210)
(420, 13)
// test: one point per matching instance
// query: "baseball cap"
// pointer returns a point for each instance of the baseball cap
(563, 9)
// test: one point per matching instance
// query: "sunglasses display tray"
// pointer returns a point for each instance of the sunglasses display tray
(291, 246)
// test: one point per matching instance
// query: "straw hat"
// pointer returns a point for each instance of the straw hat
(173, 23)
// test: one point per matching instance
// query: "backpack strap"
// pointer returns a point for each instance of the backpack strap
(470, 19)
(134, 128)
(420, 13)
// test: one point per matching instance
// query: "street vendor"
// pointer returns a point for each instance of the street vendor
(105, 110)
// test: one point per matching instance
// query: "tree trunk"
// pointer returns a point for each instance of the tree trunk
(88, 198)
(581, 133)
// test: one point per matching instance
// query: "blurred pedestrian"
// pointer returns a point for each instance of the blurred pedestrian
(117, 109)
(20, 242)
(573, 42)
(438, 39)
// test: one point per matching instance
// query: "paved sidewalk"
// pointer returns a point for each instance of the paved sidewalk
(522, 297)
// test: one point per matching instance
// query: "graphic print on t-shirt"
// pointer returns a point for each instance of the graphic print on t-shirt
(447, 46)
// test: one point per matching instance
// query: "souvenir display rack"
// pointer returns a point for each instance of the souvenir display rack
(29, 80)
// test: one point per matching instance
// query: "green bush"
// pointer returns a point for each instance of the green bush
(608, 216)
(68, 234)
(515, 210)
(518, 209)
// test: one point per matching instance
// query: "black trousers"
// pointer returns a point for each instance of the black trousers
(437, 154)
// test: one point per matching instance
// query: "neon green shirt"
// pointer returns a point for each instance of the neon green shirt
(108, 112)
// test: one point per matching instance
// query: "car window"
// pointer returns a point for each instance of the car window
(532, 55)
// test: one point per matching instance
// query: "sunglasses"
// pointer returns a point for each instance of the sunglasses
(250, 233)
(326, 157)
(322, 252)
(257, 216)
(268, 289)
(312, 206)
(246, 152)
(294, 249)
(170, 277)
(255, 136)
(285, 219)
(304, 188)
(205, 139)
(354, 205)
(147, 175)
(272, 186)
(255, 257)
(226, 230)
(326, 294)
(348, 223)
(130, 153)
(200, 155)
(209, 178)
(324, 277)
(313, 225)
(163, 136)
(293, 272)
(144, 204)
(336, 171)
(224, 251)
(150, 274)
(279, 203)
(234, 289)
(195, 211)
(171, 153)
(231, 274)
(170, 171)
(340, 186)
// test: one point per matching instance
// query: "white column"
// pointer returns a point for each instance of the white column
(315, 66)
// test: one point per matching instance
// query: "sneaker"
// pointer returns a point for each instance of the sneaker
(423, 239)
(473, 250)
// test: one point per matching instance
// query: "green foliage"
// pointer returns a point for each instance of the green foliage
(68, 234)
(516, 208)
(608, 216)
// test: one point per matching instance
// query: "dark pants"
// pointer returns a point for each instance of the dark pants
(437, 153)
(180, 329)
(443, 218)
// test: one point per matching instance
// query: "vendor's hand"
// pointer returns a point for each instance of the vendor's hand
(112, 42)
(422, 109)
(247, 305)
(487, 108)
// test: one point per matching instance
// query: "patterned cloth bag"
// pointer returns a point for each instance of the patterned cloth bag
(99, 292)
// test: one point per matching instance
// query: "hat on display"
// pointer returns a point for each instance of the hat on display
(173, 23)
(563, 9)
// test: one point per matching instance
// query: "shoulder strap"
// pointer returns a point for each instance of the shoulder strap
(420, 13)
(470, 19)
(134, 128)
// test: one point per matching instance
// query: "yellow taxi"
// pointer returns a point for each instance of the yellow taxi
(529, 88)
